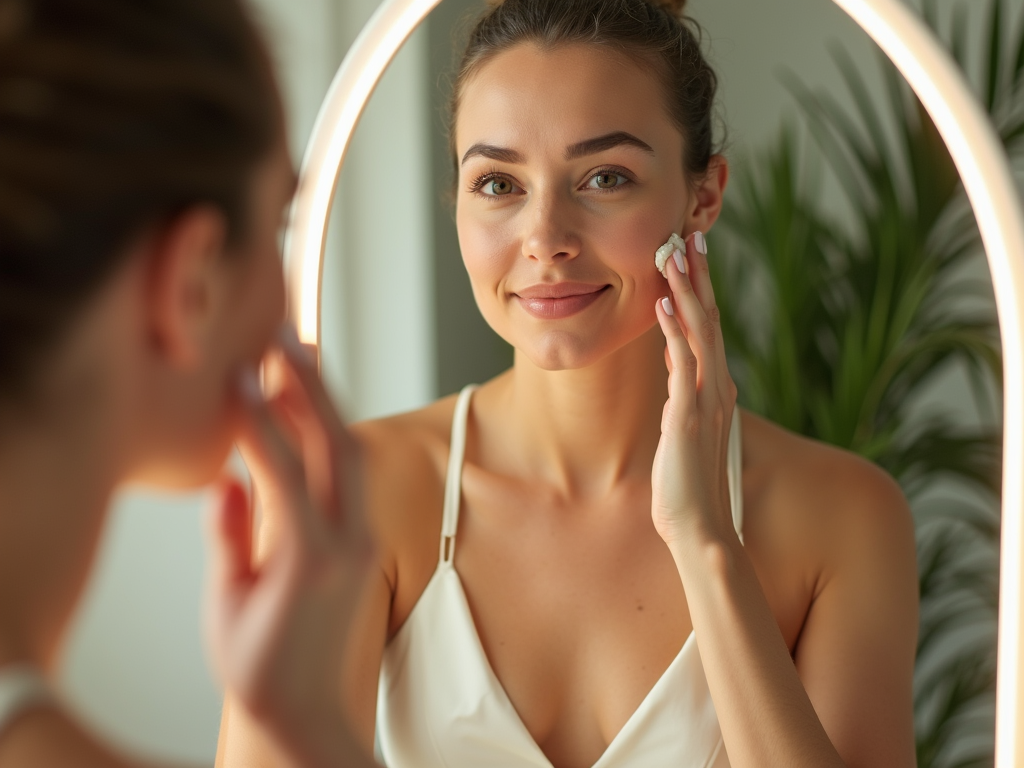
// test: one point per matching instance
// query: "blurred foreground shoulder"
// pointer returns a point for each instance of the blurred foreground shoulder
(50, 737)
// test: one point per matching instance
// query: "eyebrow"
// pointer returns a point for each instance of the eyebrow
(491, 152)
(602, 143)
(572, 152)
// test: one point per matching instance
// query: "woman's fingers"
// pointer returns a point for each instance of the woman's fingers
(277, 473)
(682, 381)
(231, 533)
(301, 360)
(700, 277)
(699, 330)
(329, 451)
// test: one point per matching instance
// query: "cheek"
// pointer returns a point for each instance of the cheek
(251, 314)
(628, 244)
(264, 303)
(489, 250)
(258, 310)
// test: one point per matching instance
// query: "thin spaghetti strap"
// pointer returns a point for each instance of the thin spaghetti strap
(734, 472)
(453, 479)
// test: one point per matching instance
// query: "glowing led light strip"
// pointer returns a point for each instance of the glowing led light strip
(973, 145)
(350, 90)
(981, 161)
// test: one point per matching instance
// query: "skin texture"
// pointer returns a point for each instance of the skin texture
(144, 387)
(595, 532)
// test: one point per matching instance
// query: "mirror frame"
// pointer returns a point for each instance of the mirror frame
(973, 144)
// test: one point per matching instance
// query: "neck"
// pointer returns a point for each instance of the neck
(58, 471)
(590, 429)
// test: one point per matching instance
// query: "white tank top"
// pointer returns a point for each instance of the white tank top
(440, 705)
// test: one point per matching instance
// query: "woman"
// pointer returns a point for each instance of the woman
(594, 533)
(143, 175)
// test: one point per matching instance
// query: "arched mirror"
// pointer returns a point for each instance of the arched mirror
(973, 146)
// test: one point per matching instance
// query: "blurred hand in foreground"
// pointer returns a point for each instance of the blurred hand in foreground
(277, 622)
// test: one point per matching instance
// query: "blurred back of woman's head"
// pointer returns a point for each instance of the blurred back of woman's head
(115, 115)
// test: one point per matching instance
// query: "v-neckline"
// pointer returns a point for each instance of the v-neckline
(631, 722)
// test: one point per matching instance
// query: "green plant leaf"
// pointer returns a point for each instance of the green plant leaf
(836, 327)
(994, 55)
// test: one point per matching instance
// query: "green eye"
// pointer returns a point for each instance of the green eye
(499, 187)
(607, 180)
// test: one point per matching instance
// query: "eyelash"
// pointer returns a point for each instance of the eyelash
(493, 175)
(485, 177)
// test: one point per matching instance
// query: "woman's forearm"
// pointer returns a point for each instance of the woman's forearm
(326, 740)
(764, 712)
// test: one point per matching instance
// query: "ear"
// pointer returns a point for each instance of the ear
(706, 203)
(183, 284)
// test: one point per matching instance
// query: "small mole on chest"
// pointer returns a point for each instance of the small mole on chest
(639, 606)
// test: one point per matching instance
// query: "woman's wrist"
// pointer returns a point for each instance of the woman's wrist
(703, 548)
(694, 529)
(321, 739)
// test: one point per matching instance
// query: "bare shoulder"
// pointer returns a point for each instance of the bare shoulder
(833, 504)
(48, 736)
(415, 432)
(405, 460)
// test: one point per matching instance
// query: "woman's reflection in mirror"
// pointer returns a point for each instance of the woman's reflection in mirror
(594, 559)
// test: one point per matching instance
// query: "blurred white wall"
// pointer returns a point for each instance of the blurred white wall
(751, 44)
(134, 665)
(378, 334)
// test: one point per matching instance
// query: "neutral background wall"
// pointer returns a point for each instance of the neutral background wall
(400, 324)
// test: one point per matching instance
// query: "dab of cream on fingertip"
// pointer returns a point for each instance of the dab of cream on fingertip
(661, 256)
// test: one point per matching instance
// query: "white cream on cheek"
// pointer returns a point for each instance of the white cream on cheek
(661, 256)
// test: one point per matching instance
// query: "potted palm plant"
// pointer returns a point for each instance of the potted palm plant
(839, 320)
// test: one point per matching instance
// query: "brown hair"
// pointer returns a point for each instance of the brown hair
(113, 115)
(654, 32)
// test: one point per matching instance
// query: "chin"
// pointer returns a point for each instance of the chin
(582, 346)
(563, 351)
(189, 467)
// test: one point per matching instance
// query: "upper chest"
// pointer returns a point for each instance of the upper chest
(579, 608)
(522, 552)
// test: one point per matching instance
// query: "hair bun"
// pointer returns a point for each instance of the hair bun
(676, 7)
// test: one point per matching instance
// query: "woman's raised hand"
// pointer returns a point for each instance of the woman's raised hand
(277, 623)
(689, 481)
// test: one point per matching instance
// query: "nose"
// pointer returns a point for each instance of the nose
(550, 234)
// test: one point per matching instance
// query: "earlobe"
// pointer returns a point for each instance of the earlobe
(183, 284)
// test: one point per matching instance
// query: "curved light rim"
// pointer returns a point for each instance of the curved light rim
(350, 91)
(973, 144)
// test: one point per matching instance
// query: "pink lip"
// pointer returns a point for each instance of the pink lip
(554, 301)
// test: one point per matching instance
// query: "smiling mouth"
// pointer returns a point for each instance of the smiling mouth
(557, 302)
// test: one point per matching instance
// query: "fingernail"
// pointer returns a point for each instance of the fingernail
(700, 243)
(677, 257)
(667, 305)
(249, 386)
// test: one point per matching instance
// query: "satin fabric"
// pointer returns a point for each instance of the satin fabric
(440, 705)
